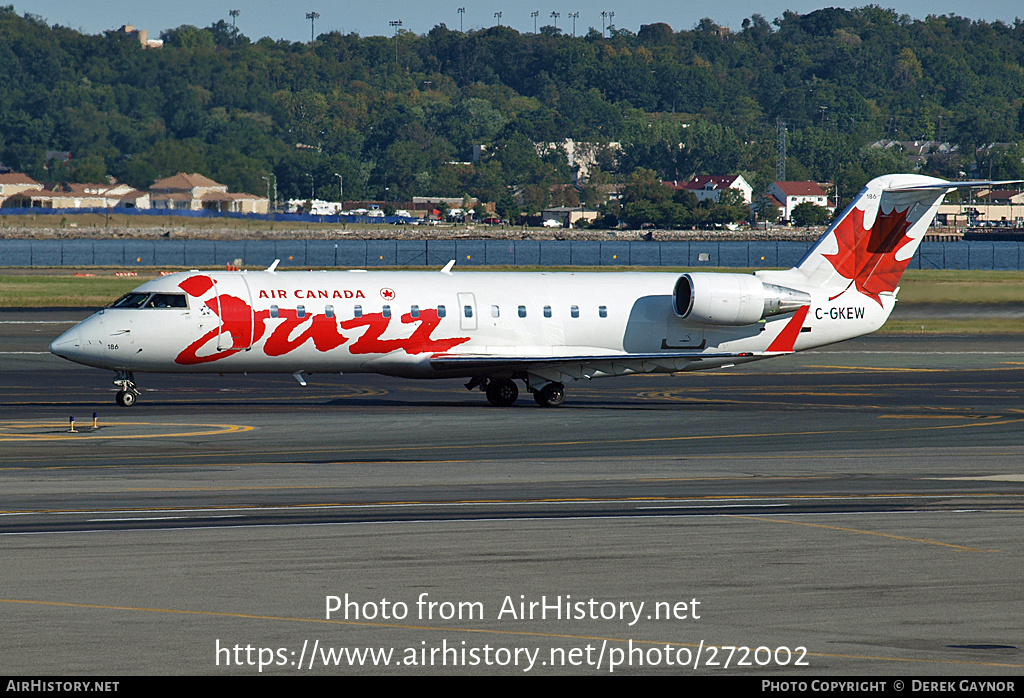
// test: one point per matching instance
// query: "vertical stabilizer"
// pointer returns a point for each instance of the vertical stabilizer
(870, 245)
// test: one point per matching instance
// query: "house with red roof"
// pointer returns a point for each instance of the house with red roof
(710, 187)
(789, 195)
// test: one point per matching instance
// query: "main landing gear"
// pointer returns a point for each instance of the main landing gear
(503, 392)
(128, 393)
(551, 395)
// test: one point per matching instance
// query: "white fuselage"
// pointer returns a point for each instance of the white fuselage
(395, 322)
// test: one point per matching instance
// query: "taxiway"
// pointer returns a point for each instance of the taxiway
(863, 502)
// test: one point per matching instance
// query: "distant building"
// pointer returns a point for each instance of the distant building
(12, 183)
(580, 155)
(568, 216)
(917, 152)
(1002, 197)
(789, 195)
(710, 187)
(142, 35)
(195, 192)
(423, 202)
(994, 208)
(77, 195)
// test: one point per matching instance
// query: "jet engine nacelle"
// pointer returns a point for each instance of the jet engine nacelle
(732, 299)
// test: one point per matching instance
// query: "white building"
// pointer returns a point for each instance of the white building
(710, 187)
(789, 195)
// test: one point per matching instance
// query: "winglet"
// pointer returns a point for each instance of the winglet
(448, 267)
(273, 266)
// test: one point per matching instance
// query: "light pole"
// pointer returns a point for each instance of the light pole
(267, 180)
(312, 17)
(556, 15)
(611, 16)
(341, 189)
(397, 24)
(462, 11)
(574, 15)
(604, 16)
(498, 15)
(234, 30)
(312, 191)
(534, 15)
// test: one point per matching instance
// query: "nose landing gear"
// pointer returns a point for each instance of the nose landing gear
(128, 393)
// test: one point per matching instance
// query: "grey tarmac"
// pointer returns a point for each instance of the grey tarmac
(863, 502)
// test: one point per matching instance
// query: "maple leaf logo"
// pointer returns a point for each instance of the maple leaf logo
(867, 257)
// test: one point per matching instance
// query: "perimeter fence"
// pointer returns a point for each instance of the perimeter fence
(977, 255)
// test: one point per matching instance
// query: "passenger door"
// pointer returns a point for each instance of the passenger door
(234, 310)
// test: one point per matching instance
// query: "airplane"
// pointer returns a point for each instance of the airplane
(495, 328)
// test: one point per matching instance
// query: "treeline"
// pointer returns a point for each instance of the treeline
(392, 117)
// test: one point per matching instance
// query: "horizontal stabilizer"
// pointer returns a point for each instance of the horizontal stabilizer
(952, 185)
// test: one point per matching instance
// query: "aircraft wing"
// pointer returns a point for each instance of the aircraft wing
(558, 367)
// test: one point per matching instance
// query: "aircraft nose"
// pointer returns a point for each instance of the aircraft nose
(68, 345)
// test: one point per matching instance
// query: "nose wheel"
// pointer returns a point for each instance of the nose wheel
(128, 393)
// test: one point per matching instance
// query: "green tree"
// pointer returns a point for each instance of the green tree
(807, 214)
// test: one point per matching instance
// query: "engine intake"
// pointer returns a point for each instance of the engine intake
(732, 299)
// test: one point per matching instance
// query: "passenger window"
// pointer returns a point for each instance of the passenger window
(441, 312)
(414, 311)
(574, 310)
(300, 310)
(329, 310)
(357, 311)
(522, 311)
(494, 311)
(274, 312)
(386, 310)
(467, 311)
(547, 311)
(602, 310)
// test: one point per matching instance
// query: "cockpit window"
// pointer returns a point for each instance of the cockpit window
(151, 300)
(167, 300)
(130, 300)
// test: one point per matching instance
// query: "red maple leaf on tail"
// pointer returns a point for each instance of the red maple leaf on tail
(867, 257)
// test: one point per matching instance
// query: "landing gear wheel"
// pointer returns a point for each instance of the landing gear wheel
(551, 395)
(502, 392)
(128, 393)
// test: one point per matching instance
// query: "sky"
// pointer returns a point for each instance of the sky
(287, 20)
